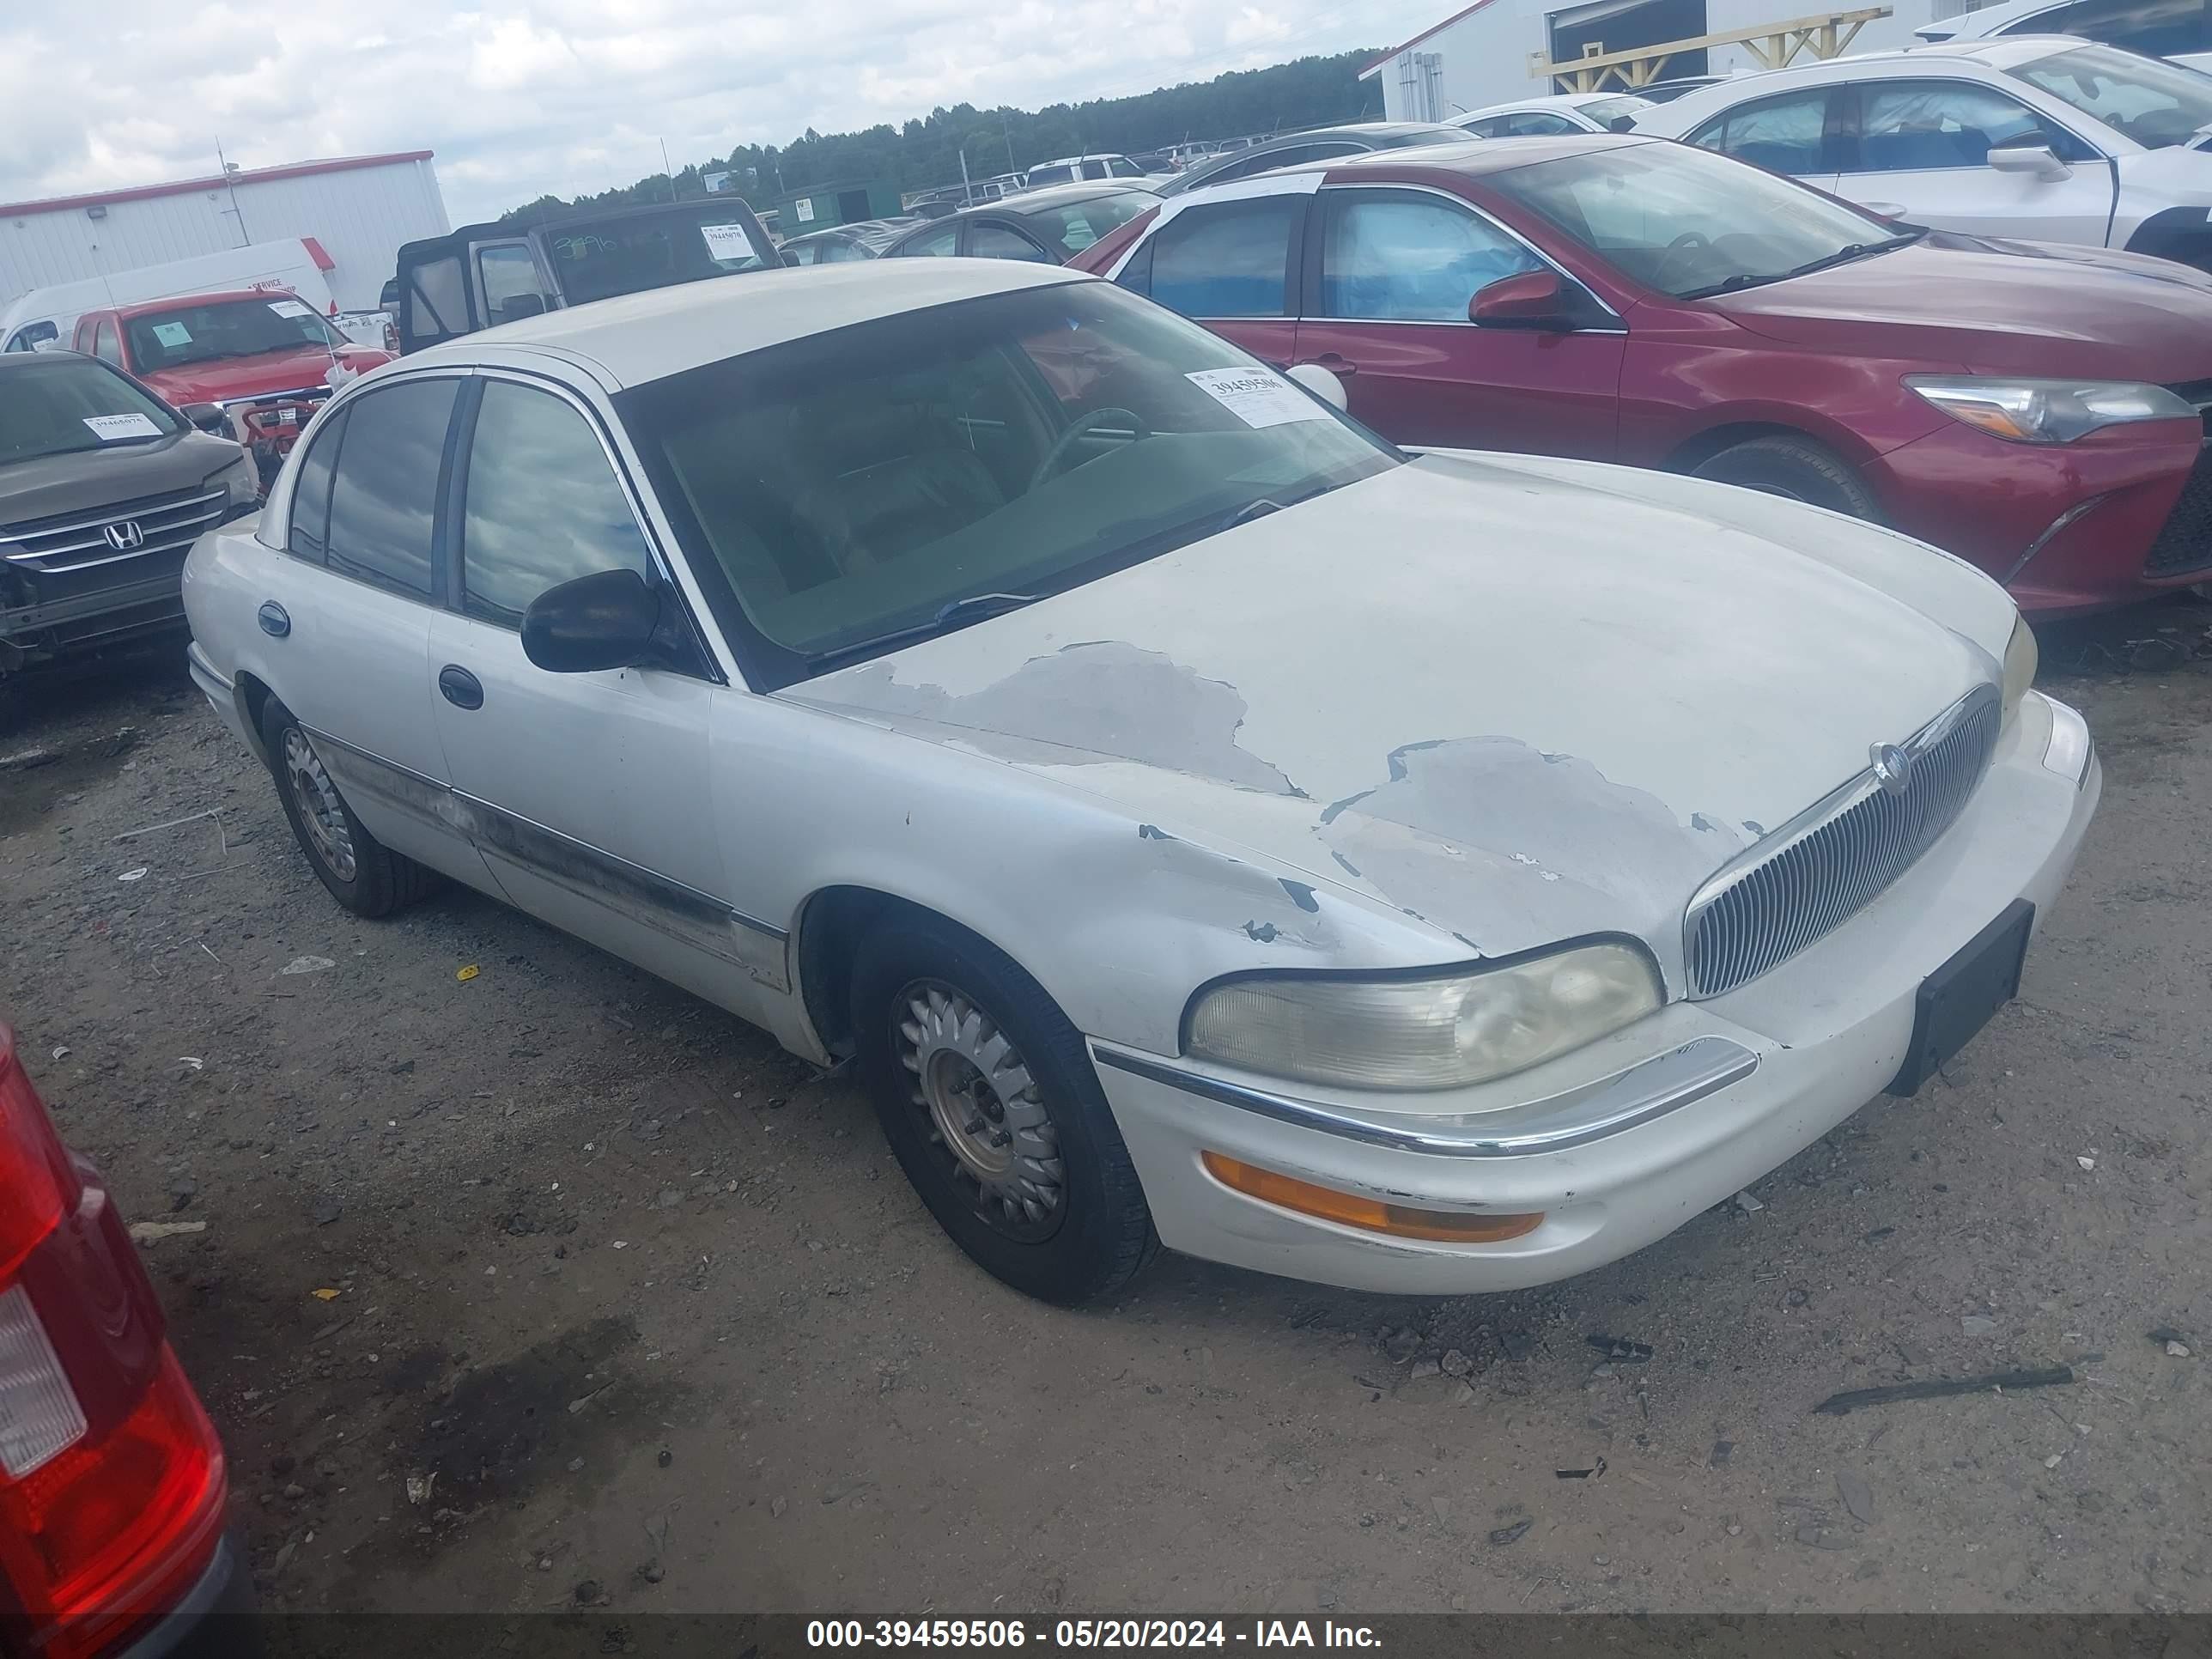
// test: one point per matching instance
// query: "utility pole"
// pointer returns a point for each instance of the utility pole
(230, 179)
(1007, 132)
(665, 172)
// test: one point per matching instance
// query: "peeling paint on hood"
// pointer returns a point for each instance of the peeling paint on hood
(1515, 707)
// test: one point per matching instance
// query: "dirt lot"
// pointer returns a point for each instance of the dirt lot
(553, 1283)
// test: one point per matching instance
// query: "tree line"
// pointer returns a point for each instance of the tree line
(1307, 92)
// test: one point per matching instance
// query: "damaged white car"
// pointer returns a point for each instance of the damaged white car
(1201, 824)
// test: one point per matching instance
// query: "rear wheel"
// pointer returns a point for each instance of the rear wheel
(991, 1107)
(360, 872)
(1798, 469)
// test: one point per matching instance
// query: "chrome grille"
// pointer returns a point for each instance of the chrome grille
(1818, 872)
(77, 541)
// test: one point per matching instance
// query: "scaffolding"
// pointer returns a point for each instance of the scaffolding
(1774, 45)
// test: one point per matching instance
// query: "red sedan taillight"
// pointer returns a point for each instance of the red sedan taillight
(110, 1477)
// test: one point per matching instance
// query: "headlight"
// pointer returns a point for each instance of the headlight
(2018, 665)
(1423, 1033)
(2047, 411)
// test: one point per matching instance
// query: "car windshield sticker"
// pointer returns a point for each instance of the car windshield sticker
(173, 334)
(1257, 397)
(726, 241)
(114, 428)
(291, 308)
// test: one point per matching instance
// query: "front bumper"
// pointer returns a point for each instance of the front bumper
(1622, 1142)
(2117, 517)
(103, 619)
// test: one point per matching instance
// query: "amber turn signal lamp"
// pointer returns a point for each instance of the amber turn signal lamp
(1369, 1214)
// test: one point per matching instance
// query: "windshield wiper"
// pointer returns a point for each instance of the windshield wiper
(952, 614)
(1842, 256)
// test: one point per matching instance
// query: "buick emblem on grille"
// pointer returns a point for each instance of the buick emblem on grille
(125, 535)
(1893, 768)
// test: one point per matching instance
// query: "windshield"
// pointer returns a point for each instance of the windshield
(59, 402)
(1073, 227)
(2153, 102)
(209, 331)
(685, 242)
(856, 483)
(1686, 222)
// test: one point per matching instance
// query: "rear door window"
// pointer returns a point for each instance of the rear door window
(1786, 133)
(937, 245)
(105, 343)
(309, 536)
(542, 504)
(1227, 259)
(384, 495)
(988, 241)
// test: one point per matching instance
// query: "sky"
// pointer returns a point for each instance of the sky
(533, 96)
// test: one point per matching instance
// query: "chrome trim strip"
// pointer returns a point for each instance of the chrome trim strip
(1648, 1090)
(2049, 530)
(33, 561)
(114, 515)
(314, 392)
(538, 847)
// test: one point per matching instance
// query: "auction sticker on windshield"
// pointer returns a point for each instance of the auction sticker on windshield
(1256, 397)
(291, 308)
(173, 334)
(726, 241)
(114, 428)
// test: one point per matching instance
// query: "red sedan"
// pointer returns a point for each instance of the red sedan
(2036, 410)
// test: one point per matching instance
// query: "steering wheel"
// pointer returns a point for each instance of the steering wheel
(1065, 442)
(1682, 244)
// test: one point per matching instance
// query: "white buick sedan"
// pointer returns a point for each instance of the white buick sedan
(1197, 822)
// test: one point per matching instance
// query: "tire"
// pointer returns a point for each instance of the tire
(1796, 468)
(360, 872)
(925, 994)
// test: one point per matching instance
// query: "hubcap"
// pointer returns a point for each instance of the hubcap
(317, 797)
(986, 1118)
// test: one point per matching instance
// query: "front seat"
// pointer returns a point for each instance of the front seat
(885, 480)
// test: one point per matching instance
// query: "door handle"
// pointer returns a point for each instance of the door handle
(462, 689)
(276, 621)
(1334, 363)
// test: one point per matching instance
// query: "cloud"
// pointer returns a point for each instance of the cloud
(523, 97)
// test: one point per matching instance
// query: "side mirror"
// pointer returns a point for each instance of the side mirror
(608, 619)
(1894, 212)
(2038, 160)
(517, 305)
(1528, 298)
(791, 258)
(208, 418)
(1324, 385)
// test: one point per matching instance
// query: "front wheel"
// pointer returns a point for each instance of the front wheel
(1797, 469)
(991, 1107)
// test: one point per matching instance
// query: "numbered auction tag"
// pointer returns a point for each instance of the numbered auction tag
(1257, 397)
(114, 428)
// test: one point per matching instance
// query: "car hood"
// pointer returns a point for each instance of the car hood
(247, 377)
(89, 480)
(1998, 308)
(1519, 701)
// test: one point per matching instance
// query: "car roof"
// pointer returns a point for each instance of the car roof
(215, 297)
(1075, 190)
(1977, 23)
(636, 337)
(1476, 156)
(1550, 101)
(1973, 59)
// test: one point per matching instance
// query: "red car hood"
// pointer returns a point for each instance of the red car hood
(1998, 308)
(247, 377)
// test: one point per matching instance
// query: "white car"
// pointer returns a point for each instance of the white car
(1199, 823)
(1566, 112)
(2177, 30)
(1077, 169)
(2045, 137)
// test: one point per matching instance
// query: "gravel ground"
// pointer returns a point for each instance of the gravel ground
(552, 1284)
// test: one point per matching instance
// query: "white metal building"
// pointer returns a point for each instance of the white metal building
(356, 209)
(1480, 56)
